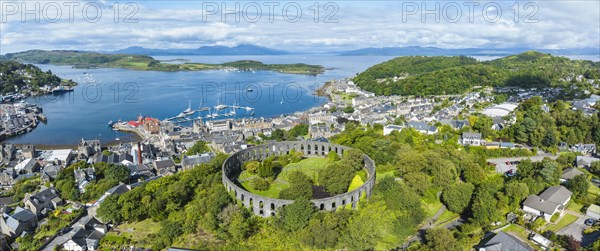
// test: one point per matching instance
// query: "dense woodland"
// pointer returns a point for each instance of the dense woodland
(418, 75)
(15, 76)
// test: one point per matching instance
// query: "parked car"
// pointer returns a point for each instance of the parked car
(590, 222)
(596, 181)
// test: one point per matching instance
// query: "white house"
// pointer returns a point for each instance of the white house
(553, 200)
(470, 139)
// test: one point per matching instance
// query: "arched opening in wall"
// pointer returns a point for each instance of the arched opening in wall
(260, 204)
(308, 148)
(352, 198)
(272, 206)
(359, 194)
(322, 206)
(251, 202)
(272, 214)
(235, 192)
(242, 197)
(323, 150)
(343, 202)
(261, 212)
(333, 205)
(316, 149)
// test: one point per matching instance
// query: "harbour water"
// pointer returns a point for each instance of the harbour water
(112, 94)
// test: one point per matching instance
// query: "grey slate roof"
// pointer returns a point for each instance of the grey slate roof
(160, 164)
(505, 242)
(197, 159)
(471, 135)
(570, 173)
(549, 200)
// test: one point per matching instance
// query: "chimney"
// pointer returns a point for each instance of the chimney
(139, 153)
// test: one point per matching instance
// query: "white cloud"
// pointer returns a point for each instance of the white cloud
(360, 24)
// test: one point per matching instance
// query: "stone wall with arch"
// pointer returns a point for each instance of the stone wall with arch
(265, 206)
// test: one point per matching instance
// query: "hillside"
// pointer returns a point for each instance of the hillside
(204, 50)
(417, 75)
(79, 59)
(15, 76)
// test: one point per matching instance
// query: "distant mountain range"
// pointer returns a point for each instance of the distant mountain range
(204, 50)
(385, 51)
(434, 51)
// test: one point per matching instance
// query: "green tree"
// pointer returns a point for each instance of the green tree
(473, 173)
(336, 178)
(579, 185)
(110, 210)
(300, 186)
(418, 182)
(348, 109)
(441, 239)
(295, 216)
(516, 192)
(298, 130)
(484, 208)
(457, 196)
(120, 173)
(198, 148)
(332, 156)
(265, 170)
(260, 184)
(595, 167)
(324, 229)
(252, 166)
(353, 158)
(239, 227)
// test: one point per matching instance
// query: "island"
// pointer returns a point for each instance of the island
(83, 59)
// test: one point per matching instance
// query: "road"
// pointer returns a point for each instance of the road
(502, 167)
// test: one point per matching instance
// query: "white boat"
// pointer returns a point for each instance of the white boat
(220, 107)
(189, 110)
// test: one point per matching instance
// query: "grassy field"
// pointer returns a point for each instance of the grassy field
(273, 192)
(574, 206)
(138, 230)
(309, 166)
(565, 221)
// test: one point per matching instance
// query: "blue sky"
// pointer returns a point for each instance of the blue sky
(350, 24)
